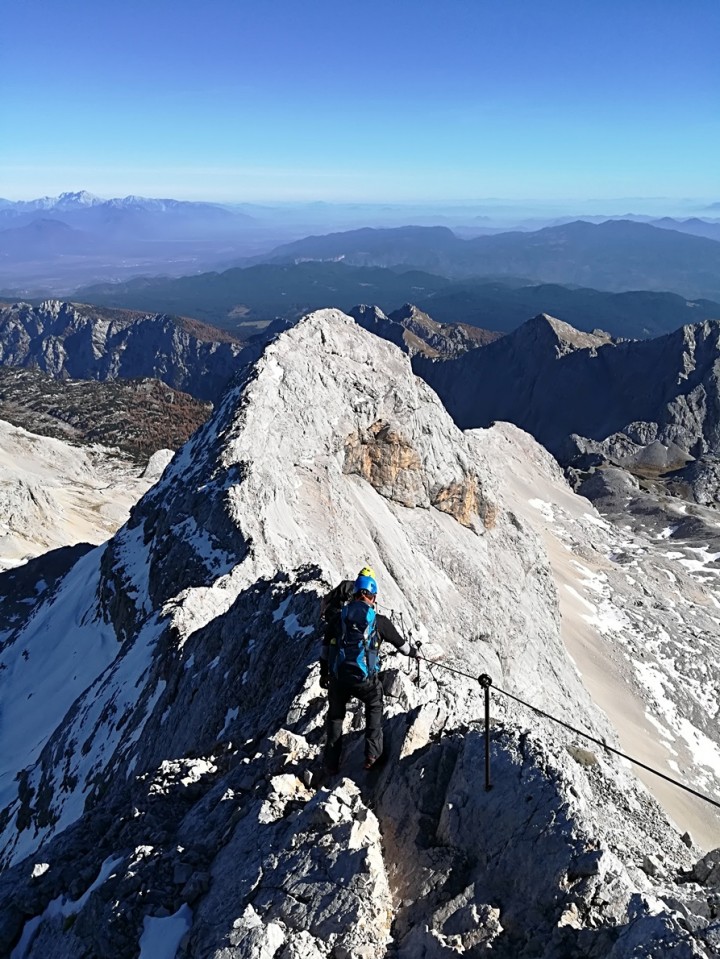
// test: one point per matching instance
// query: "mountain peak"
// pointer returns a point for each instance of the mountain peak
(366, 314)
(564, 337)
(81, 198)
(409, 313)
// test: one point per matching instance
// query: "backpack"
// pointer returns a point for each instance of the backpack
(356, 648)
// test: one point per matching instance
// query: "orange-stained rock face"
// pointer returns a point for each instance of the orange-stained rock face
(464, 502)
(390, 463)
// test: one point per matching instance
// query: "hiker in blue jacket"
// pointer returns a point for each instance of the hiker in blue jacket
(350, 666)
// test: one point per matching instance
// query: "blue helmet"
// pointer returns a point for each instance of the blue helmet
(366, 584)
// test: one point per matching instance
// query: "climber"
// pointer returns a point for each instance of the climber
(350, 667)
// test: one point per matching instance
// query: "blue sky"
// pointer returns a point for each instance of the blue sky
(367, 101)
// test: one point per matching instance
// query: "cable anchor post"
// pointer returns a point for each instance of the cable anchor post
(486, 682)
(417, 660)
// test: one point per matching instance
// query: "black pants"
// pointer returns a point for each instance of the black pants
(370, 693)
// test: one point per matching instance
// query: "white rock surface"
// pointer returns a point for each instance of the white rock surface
(54, 494)
(639, 621)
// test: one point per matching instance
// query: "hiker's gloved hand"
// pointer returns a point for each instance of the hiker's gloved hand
(414, 651)
(324, 674)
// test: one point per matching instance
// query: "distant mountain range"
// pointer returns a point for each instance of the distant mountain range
(615, 255)
(123, 218)
(240, 299)
(48, 238)
(51, 246)
(693, 225)
(238, 296)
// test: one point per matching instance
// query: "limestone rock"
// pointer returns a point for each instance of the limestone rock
(387, 460)
(707, 870)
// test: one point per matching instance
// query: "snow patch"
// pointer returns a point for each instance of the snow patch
(545, 509)
(230, 716)
(161, 935)
(293, 628)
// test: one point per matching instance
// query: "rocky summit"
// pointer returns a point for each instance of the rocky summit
(163, 720)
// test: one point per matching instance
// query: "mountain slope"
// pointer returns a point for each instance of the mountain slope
(46, 238)
(135, 416)
(553, 381)
(174, 757)
(54, 495)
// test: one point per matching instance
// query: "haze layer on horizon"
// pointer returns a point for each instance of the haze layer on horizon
(403, 102)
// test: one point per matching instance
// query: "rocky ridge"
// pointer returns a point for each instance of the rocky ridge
(585, 397)
(415, 332)
(86, 342)
(166, 782)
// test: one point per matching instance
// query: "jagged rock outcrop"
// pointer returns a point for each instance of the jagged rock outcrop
(94, 343)
(167, 781)
(703, 478)
(415, 332)
(388, 461)
(652, 458)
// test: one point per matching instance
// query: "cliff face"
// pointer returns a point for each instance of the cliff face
(161, 781)
(92, 343)
(553, 381)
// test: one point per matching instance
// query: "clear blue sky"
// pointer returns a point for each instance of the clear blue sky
(360, 99)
